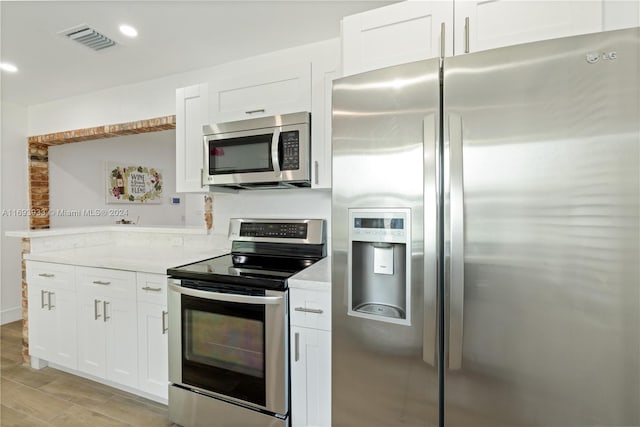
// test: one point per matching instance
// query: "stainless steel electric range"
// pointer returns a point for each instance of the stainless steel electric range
(229, 323)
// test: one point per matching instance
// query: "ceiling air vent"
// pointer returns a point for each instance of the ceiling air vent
(89, 37)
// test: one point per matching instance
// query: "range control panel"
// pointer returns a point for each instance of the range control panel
(268, 229)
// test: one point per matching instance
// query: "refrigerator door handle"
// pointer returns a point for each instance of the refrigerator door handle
(430, 229)
(456, 242)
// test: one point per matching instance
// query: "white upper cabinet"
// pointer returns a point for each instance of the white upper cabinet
(395, 34)
(411, 30)
(325, 70)
(265, 90)
(192, 112)
(481, 25)
(298, 80)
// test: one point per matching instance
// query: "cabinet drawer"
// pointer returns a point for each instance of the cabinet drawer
(50, 275)
(109, 282)
(151, 288)
(310, 309)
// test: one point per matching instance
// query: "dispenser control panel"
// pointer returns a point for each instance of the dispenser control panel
(379, 264)
(379, 225)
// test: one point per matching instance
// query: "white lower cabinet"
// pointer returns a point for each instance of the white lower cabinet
(52, 313)
(106, 323)
(107, 332)
(310, 357)
(153, 355)
(310, 377)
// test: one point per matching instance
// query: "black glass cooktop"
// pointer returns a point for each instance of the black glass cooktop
(266, 272)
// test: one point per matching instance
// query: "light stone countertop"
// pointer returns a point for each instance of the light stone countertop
(125, 228)
(147, 259)
(316, 277)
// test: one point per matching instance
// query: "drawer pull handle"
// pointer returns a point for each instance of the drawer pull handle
(49, 300)
(164, 322)
(100, 282)
(309, 310)
(96, 304)
(260, 110)
(47, 275)
(42, 294)
(148, 288)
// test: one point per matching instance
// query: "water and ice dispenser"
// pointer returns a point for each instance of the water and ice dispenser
(379, 262)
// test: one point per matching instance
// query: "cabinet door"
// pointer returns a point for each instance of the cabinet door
(192, 108)
(395, 34)
(63, 305)
(498, 23)
(310, 377)
(268, 91)
(42, 331)
(91, 335)
(121, 341)
(324, 72)
(153, 360)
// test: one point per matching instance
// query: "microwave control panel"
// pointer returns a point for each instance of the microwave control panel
(291, 150)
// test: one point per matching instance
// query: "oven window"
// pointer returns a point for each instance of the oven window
(228, 342)
(242, 154)
(223, 348)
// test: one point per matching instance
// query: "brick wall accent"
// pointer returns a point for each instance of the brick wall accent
(39, 157)
(39, 183)
(26, 248)
(38, 186)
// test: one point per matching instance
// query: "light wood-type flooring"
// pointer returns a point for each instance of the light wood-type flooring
(49, 397)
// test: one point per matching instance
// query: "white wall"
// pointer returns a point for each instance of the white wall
(14, 196)
(153, 98)
(77, 179)
(285, 203)
(157, 98)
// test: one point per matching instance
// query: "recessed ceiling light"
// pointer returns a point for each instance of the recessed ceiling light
(8, 67)
(128, 30)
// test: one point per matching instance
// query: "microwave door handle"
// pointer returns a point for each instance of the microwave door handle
(275, 151)
(218, 296)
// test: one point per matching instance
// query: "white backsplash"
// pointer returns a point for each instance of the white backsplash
(286, 203)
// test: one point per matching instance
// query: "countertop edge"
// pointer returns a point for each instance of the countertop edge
(105, 228)
(316, 277)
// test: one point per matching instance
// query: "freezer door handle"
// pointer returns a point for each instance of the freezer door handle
(430, 229)
(456, 241)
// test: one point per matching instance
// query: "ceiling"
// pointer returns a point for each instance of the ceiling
(174, 36)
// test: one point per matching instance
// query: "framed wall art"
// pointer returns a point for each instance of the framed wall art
(133, 184)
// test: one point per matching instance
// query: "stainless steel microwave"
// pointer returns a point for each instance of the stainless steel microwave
(267, 152)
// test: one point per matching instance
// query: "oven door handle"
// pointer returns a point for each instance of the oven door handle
(218, 296)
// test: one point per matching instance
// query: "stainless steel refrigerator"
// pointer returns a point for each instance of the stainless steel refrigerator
(486, 233)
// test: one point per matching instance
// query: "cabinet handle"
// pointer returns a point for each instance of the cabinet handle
(148, 288)
(104, 310)
(442, 40)
(260, 110)
(317, 181)
(297, 347)
(47, 275)
(96, 304)
(164, 322)
(309, 310)
(100, 282)
(42, 303)
(49, 300)
(466, 35)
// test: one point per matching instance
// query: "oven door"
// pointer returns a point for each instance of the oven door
(230, 345)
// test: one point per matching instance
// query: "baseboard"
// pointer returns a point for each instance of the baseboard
(10, 315)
